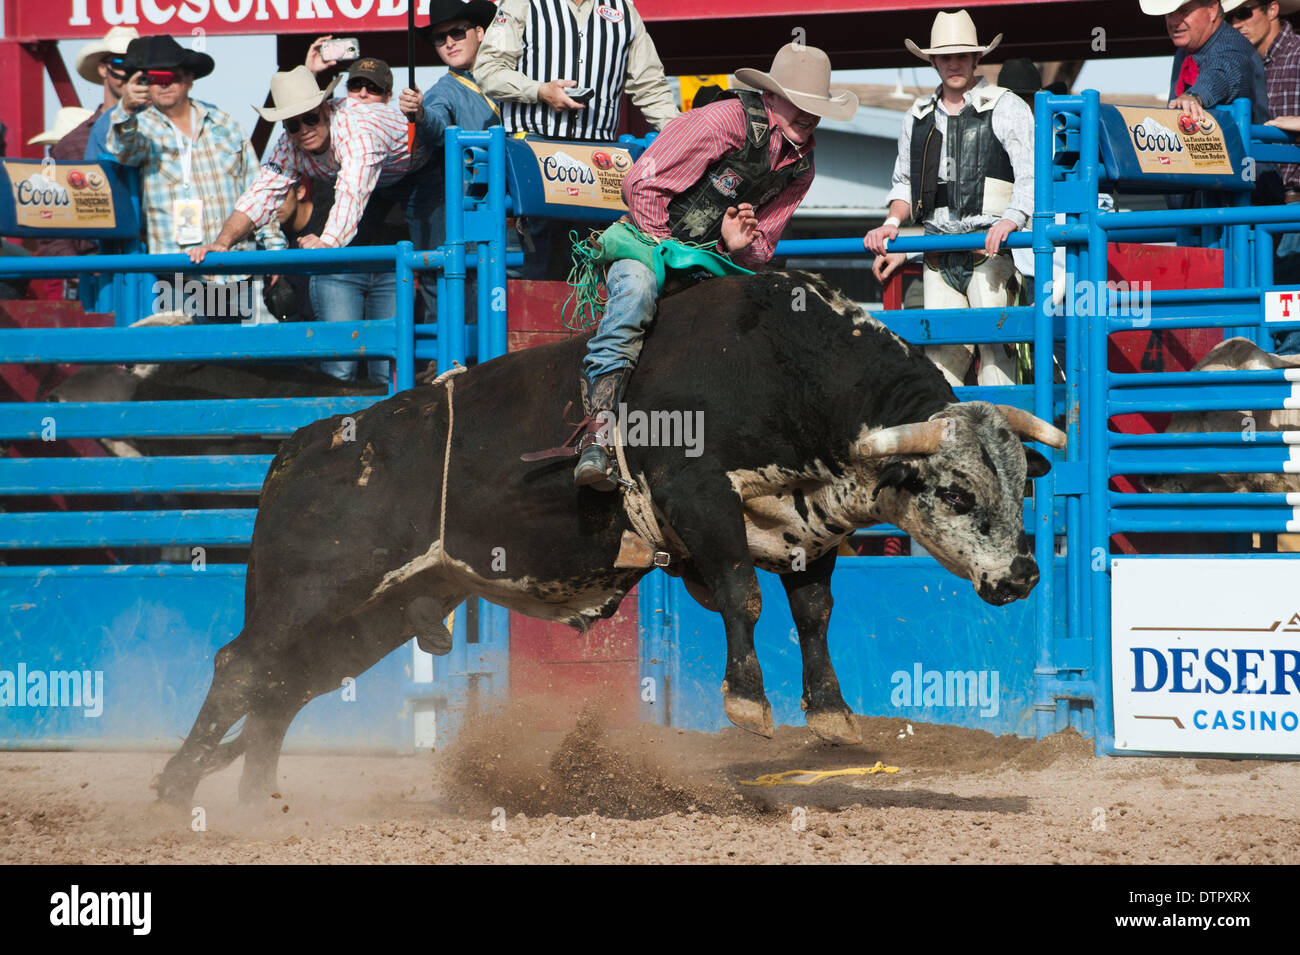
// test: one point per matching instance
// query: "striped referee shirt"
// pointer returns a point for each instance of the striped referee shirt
(367, 149)
(602, 44)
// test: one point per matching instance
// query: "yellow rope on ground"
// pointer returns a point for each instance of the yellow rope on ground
(779, 779)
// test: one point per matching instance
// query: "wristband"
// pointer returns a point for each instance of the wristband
(894, 221)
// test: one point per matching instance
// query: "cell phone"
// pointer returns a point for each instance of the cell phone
(580, 94)
(342, 48)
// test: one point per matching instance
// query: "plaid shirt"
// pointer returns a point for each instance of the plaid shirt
(1282, 69)
(367, 150)
(223, 166)
(681, 155)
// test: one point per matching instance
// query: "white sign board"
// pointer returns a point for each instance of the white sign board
(1205, 655)
(1282, 306)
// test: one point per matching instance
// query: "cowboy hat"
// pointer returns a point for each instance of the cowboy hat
(1158, 8)
(802, 74)
(953, 33)
(294, 92)
(164, 53)
(66, 120)
(114, 42)
(477, 12)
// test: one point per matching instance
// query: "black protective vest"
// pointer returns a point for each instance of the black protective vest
(974, 155)
(745, 175)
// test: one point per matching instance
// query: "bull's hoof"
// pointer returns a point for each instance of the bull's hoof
(439, 644)
(752, 715)
(835, 725)
(432, 635)
(175, 788)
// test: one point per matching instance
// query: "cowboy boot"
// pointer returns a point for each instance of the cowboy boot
(600, 398)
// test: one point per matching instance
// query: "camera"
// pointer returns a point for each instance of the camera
(580, 94)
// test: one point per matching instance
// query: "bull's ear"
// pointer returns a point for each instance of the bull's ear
(899, 474)
(1037, 465)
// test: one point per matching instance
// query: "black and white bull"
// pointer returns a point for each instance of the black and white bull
(817, 420)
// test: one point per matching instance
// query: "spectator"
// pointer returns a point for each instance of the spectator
(194, 160)
(760, 142)
(455, 30)
(974, 146)
(1213, 63)
(104, 63)
(534, 51)
(67, 142)
(362, 146)
(1279, 48)
(289, 299)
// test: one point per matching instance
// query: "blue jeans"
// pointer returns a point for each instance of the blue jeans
(351, 297)
(633, 290)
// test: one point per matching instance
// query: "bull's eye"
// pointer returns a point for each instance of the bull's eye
(960, 501)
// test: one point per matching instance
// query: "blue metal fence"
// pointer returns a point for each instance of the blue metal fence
(56, 612)
(895, 616)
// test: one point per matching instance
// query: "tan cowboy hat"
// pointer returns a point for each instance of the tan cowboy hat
(294, 92)
(802, 74)
(114, 42)
(954, 33)
(65, 121)
(1158, 8)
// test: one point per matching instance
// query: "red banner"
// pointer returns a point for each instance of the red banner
(67, 19)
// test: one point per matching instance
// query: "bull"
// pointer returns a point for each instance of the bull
(818, 420)
(1235, 354)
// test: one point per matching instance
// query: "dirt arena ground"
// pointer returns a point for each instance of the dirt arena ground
(504, 794)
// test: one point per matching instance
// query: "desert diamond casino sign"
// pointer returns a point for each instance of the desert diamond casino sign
(1205, 655)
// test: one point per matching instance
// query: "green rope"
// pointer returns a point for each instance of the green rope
(586, 301)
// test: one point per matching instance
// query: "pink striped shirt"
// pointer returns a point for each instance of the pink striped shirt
(678, 158)
(367, 149)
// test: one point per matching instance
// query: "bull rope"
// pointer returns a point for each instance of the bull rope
(448, 379)
(647, 520)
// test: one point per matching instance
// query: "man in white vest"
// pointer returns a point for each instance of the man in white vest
(965, 164)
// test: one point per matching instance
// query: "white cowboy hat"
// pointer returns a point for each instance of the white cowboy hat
(802, 74)
(114, 42)
(954, 33)
(1158, 8)
(294, 92)
(65, 121)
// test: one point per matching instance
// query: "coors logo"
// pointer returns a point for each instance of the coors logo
(1151, 137)
(564, 168)
(41, 192)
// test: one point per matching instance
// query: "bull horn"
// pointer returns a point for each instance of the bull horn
(923, 438)
(1032, 428)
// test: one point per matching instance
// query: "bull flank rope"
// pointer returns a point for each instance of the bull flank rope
(448, 379)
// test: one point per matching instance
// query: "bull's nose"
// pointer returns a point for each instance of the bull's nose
(1015, 586)
(1025, 569)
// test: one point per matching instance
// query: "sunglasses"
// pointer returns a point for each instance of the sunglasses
(162, 77)
(357, 85)
(457, 34)
(1241, 14)
(306, 119)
